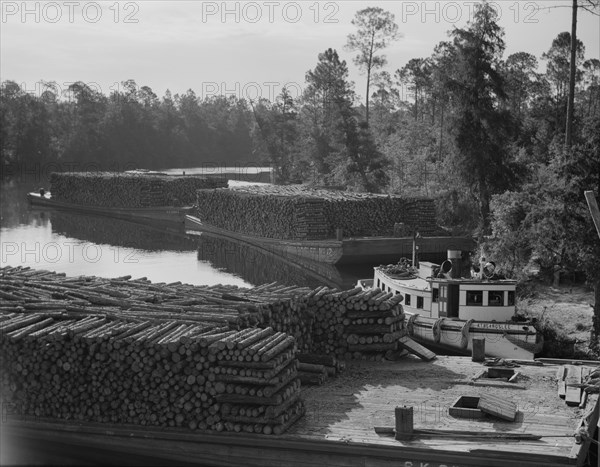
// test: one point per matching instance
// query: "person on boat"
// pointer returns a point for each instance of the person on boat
(42, 192)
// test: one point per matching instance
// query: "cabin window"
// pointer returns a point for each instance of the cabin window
(474, 297)
(407, 299)
(419, 302)
(496, 298)
(378, 283)
(511, 298)
(435, 294)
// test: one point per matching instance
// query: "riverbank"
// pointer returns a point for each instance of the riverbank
(565, 314)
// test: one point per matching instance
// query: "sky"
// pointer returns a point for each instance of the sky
(251, 48)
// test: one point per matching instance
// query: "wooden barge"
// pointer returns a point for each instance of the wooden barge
(338, 428)
(161, 214)
(356, 250)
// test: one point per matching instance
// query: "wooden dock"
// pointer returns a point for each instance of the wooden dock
(338, 428)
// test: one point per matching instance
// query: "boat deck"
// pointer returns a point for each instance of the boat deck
(338, 428)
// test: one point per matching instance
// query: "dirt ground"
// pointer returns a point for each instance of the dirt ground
(568, 308)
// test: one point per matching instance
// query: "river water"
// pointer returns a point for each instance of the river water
(79, 244)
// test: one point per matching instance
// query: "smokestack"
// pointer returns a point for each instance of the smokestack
(454, 256)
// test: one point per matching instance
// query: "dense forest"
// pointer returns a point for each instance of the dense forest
(506, 150)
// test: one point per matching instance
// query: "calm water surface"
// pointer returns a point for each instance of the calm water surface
(79, 244)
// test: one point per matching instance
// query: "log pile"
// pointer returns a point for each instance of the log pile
(303, 213)
(108, 371)
(175, 355)
(321, 320)
(356, 323)
(314, 369)
(256, 381)
(129, 190)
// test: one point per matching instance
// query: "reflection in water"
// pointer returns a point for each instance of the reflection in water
(117, 232)
(79, 244)
(13, 202)
(260, 266)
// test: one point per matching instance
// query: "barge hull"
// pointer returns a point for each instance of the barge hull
(163, 214)
(360, 250)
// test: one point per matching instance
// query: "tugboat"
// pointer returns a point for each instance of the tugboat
(445, 310)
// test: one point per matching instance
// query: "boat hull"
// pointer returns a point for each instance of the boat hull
(168, 214)
(502, 340)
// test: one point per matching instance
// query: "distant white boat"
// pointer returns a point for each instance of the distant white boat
(447, 311)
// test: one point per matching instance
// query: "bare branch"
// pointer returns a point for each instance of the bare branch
(590, 11)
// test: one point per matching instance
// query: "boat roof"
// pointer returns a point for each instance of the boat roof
(417, 283)
(422, 283)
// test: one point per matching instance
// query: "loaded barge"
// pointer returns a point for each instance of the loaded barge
(172, 373)
(327, 226)
(143, 196)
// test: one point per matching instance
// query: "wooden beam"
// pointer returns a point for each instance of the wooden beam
(416, 348)
(594, 210)
(566, 361)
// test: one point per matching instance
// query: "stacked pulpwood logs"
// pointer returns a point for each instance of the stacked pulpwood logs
(256, 381)
(164, 374)
(314, 369)
(129, 190)
(303, 213)
(132, 351)
(92, 349)
(356, 323)
(322, 320)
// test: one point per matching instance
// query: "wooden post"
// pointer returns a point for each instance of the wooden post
(404, 422)
(339, 234)
(478, 353)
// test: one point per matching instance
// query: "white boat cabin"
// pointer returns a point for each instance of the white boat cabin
(443, 297)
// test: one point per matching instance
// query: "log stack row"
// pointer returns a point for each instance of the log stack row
(165, 374)
(322, 320)
(356, 323)
(129, 190)
(314, 369)
(175, 355)
(256, 380)
(303, 213)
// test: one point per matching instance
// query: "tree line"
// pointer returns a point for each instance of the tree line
(482, 133)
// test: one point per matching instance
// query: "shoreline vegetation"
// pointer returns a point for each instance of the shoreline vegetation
(564, 317)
